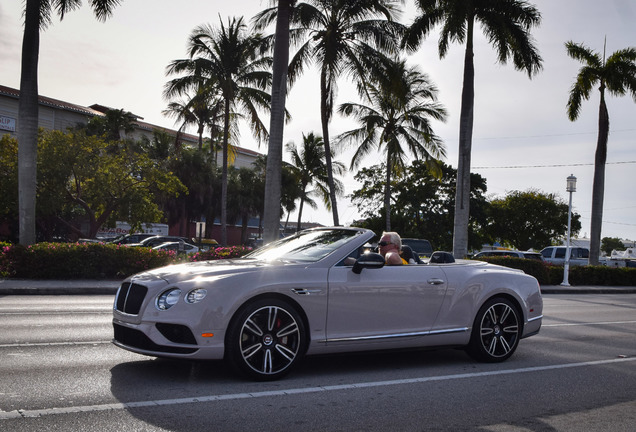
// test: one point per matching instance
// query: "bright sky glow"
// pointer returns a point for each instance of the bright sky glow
(522, 137)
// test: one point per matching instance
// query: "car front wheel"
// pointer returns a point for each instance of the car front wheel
(496, 331)
(266, 340)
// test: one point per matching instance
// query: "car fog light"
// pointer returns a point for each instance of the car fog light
(196, 295)
(168, 299)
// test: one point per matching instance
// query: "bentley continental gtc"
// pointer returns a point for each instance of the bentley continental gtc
(319, 292)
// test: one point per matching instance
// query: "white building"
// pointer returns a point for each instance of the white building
(59, 115)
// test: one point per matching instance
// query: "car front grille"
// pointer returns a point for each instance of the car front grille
(136, 339)
(130, 297)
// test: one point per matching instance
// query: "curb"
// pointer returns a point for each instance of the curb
(557, 289)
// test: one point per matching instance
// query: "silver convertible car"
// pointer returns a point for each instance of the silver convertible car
(321, 292)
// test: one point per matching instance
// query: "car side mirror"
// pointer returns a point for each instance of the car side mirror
(368, 260)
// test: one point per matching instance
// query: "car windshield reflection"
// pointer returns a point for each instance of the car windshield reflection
(307, 246)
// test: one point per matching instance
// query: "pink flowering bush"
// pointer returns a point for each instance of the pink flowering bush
(93, 260)
(221, 253)
(79, 261)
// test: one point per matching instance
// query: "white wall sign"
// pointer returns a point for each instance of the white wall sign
(7, 123)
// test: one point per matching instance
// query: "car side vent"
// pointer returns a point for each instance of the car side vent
(130, 297)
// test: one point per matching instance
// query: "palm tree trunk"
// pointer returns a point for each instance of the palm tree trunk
(226, 138)
(462, 193)
(598, 186)
(325, 114)
(200, 133)
(300, 212)
(28, 124)
(387, 194)
(271, 213)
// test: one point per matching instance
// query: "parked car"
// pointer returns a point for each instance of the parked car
(317, 293)
(178, 247)
(556, 255)
(510, 253)
(157, 240)
(131, 238)
(421, 247)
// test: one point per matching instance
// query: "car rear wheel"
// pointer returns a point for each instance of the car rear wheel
(266, 340)
(496, 331)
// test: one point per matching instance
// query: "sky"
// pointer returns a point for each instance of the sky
(522, 137)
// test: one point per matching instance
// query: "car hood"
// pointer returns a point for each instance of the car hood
(208, 269)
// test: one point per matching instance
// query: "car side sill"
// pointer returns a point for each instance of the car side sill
(397, 335)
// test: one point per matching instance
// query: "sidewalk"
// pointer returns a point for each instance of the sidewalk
(109, 287)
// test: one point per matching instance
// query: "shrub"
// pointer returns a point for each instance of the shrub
(548, 274)
(93, 260)
(221, 253)
(534, 268)
(79, 261)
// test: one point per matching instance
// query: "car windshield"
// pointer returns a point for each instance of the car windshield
(307, 246)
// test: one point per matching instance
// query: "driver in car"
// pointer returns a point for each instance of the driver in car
(389, 246)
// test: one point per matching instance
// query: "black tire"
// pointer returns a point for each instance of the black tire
(266, 340)
(496, 331)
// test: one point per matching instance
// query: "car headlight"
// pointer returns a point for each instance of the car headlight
(168, 298)
(196, 295)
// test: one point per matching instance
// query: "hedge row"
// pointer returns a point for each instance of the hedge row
(548, 274)
(107, 261)
(92, 260)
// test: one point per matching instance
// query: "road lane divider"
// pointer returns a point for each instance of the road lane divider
(32, 413)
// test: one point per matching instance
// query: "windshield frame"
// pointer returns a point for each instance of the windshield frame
(298, 248)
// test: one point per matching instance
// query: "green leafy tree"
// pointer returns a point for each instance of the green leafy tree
(114, 125)
(311, 170)
(422, 204)
(341, 37)
(234, 60)
(78, 173)
(617, 75)
(507, 25)
(246, 193)
(37, 16)
(9, 186)
(530, 219)
(196, 170)
(402, 101)
(608, 244)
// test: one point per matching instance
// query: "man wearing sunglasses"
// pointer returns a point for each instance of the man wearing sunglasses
(389, 247)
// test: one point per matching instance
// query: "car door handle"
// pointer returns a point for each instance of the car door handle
(435, 281)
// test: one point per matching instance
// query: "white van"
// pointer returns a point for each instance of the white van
(556, 255)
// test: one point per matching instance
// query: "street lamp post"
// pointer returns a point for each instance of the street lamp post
(570, 187)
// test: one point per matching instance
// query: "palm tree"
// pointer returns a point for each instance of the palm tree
(617, 75)
(203, 106)
(311, 169)
(37, 16)
(507, 25)
(234, 61)
(396, 121)
(198, 111)
(341, 37)
(277, 119)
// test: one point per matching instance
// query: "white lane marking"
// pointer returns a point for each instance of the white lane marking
(353, 386)
(588, 324)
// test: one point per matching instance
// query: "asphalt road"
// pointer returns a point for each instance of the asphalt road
(59, 372)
